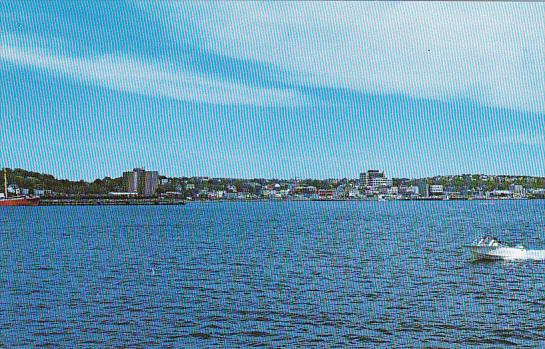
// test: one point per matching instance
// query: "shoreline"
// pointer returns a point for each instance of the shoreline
(172, 202)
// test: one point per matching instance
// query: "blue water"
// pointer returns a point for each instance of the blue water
(271, 274)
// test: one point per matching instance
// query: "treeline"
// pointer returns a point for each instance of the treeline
(34, 181)
(488, 183)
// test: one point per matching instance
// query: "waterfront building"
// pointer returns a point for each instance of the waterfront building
(230, 196)
(173, 194)
(140, 181)
(517, 189)
(13, 189)
(436, 190)
(353, 193)
(151, 182)
(538, 193)
(423, 188)
(122, 194)
(308, 190)
(340, 191)
(374, 180)
(379, 182)
(284, 193)
(393, 191)
(372, 175)
(326, 193)
(501, 193)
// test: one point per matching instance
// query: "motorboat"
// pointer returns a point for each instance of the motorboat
(490, 248)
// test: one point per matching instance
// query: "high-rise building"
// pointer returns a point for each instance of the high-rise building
(151, 182)
(379, 182)
(374, 181)
(140, 181)
(130, 179)
(375, 178)
(371, 175)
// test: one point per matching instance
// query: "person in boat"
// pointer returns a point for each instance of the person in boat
(489, 241)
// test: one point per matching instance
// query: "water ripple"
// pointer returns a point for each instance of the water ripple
(348, 274)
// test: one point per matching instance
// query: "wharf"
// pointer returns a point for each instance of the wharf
(96, 202)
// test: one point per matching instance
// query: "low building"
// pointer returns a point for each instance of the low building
(173, 194)
(309, 190)
(436, 190)
(14, 189)
(501, 193)
(353, 193)
(517, 189)
(393, 191)
(326, 193)
(122, 194)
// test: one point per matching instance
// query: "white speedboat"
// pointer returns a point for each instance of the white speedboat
(490, 248)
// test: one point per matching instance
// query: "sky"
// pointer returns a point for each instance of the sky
(272, 90)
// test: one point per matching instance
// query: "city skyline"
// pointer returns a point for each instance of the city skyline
(371, 185)
(351, 177)
(198, 89)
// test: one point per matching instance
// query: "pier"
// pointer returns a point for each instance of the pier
(116, 201)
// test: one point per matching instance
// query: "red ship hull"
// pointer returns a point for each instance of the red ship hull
(20, 201)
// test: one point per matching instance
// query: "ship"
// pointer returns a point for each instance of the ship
(19, 200)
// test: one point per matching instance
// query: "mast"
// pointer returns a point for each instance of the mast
(5, 183)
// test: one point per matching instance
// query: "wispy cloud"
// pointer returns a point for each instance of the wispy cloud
(135, 75)
(492, 53)
(514, 137)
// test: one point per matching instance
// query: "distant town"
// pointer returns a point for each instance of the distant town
(150, 186)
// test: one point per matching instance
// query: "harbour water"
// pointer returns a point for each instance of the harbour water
(270, 274)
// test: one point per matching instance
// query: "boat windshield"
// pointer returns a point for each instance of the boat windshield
(489, 241)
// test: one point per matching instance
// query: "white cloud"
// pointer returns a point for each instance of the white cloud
(124, 73)
(514, 137)
(489, 52)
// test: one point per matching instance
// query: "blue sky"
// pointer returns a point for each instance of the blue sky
(250, 89)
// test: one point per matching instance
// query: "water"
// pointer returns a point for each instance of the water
(271, 274)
